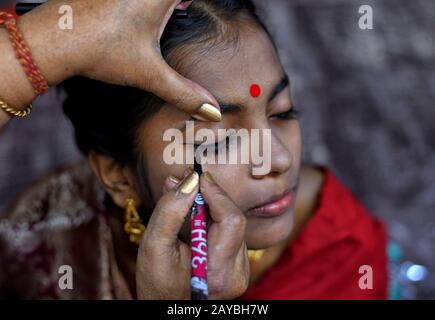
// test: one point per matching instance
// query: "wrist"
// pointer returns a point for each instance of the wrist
(16, 90)
(53, 49)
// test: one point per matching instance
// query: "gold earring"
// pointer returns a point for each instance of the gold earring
(133, 226)
(255, 255)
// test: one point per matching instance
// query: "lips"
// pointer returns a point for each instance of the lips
(275, 207)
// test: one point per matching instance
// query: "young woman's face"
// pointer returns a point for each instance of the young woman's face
(229, 74)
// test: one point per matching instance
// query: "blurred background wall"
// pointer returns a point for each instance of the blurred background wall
(367, 98)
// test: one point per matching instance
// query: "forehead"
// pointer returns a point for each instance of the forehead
(231, 68)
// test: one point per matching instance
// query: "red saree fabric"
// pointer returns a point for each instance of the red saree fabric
(62, 221)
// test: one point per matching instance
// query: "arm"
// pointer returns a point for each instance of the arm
(98, 48)
(50, 47)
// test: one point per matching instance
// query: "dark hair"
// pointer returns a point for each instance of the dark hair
(106, 117)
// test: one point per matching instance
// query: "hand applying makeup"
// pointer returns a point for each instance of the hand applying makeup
(114, 41)
(163, 264)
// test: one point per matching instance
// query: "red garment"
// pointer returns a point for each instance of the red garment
(323, 261)
(62, 221)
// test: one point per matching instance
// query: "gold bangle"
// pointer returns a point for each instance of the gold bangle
(15, 112)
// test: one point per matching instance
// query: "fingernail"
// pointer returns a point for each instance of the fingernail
(208, 112)
(184, 5)
(174, 179)
(189, 184)
(209, 177)
(187, 172)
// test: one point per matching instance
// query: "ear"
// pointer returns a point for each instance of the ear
(116, 178)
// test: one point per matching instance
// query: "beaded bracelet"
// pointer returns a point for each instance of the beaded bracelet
(23, 54)
(25, 58)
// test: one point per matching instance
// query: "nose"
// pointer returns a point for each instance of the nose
(280, 158)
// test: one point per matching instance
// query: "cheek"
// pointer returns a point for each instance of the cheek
(232, 178)
(153, 147)
(290, 135)
(295, 140)
(155, 167)
(158, 171)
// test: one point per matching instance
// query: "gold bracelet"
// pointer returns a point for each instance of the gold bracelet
(15, 112)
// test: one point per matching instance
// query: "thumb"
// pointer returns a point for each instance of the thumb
(183, 93)
(229, 222)
(170, 213)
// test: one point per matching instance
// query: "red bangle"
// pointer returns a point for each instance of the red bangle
(23, 54)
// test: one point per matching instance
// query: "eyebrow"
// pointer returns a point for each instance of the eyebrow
(280, 87)
(232, 108)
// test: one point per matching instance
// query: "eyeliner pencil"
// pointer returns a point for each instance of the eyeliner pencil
(24, 7)
(198, 244)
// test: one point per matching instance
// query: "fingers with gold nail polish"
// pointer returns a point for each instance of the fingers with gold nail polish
(170, 183)
(208, 112)
(189, 184)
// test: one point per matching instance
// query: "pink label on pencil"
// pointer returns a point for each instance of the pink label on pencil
(198, 244)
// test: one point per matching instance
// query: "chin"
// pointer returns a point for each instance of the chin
(264, 232)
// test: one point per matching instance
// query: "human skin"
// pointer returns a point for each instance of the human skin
(112, 40)
(255, 61)
(92, 49)
(98, 48)
(227, 74)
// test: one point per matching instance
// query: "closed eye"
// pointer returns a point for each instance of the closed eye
(216, 146)
(291, 114)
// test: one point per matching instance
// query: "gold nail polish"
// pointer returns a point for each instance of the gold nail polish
(209, 177)
(208, 112)
(189, 184)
